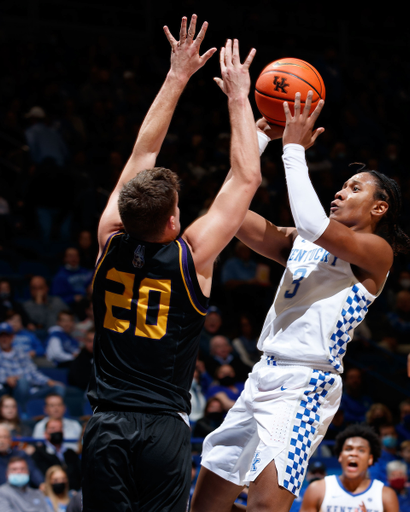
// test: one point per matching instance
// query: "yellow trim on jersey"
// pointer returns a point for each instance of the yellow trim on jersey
(183, 278)
(103, 255)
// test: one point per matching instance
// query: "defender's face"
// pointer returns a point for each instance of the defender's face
(354, 202)
(355, 457)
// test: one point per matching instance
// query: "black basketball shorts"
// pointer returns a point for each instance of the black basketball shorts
(134, 461)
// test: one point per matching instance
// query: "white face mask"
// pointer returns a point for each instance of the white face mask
(18, 479)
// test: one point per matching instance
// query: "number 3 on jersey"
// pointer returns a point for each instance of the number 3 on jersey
(297, 279)
(124, 301)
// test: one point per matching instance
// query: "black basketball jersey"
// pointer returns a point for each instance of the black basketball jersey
(149, 311)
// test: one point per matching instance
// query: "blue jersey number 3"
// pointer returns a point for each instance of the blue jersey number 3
(297, 279)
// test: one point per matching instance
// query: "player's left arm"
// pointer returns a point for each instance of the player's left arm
(185, 61)
(369, 252)
(390, 500)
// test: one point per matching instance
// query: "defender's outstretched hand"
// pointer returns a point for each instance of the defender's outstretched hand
(235, 76)
(185, 58)
(299, 127)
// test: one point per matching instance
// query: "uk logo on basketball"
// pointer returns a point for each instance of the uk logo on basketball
(280, 84)
(139, 257)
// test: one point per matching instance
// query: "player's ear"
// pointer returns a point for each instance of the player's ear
(370, 460)
(380, 208)
(171, 224)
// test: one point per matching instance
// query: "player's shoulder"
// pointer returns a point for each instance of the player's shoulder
(387, 492)
(317, 488)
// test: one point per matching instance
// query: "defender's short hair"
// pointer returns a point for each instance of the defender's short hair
(147, 201)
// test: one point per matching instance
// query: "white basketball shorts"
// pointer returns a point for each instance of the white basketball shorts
(282, 415)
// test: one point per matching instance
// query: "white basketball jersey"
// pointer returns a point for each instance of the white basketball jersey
(318, 304)
(337, 499)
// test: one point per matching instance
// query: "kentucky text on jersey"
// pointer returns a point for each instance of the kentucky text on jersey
(318, 254)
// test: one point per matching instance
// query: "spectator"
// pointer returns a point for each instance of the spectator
(55, 409)
(8, 303)
(80, 368)
(81, 327)
(240, 269)
(221, 352)
(212, 327)
(43, 140)
(245, 344)
(56, 489)
(388, 437)
(9, 416)
(405, 455)
(71, 281)
(52, 452)
(75, 504)
(403, 428)
(87, 248)
(226, 388)
(16, 495)
(19, 376)
(212, 418)
(245, 281)
(198, 399)
(7, 452)
(398, 320)
(42, 308)
(397, 479)
(378, 414)
(24, 339)
(61, 346)
(354, 402)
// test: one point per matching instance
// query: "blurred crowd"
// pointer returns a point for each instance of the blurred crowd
(68, 122)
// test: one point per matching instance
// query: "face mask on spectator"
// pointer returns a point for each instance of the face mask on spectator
(227, 381)
(389, 442)
(58, 488)
(398, 483)
(56, 438)
(18, 479)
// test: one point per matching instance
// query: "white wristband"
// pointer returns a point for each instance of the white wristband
(308, 213)
(263, 141)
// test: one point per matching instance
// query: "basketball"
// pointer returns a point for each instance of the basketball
(279, 81)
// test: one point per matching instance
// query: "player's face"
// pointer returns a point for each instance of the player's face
(355, 201)
(355, 457)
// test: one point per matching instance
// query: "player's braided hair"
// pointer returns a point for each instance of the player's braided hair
(359, 430)
(387, 189)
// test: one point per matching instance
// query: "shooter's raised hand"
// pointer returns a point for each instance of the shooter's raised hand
(299, 127)
(185, 58)
(235, 76)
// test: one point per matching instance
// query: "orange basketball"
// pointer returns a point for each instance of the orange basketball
(279, 81)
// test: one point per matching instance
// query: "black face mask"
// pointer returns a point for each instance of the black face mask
(227, 381)
(56, 438)
(58, 488)
(215, 416)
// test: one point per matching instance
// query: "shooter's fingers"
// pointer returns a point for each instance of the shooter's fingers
(297, 104)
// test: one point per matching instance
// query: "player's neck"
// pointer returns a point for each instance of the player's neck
(355, 485)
